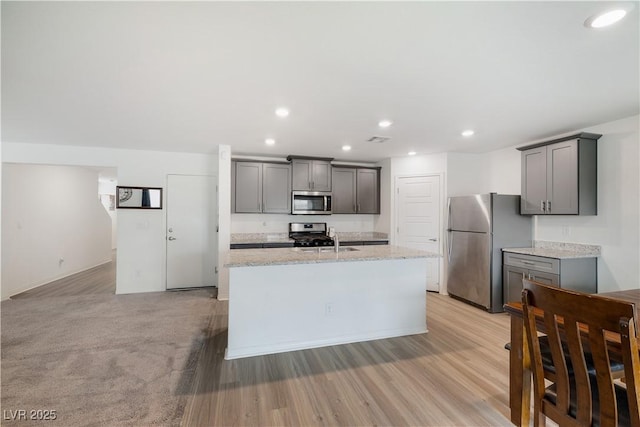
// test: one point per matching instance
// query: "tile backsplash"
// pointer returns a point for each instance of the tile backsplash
(279, 223)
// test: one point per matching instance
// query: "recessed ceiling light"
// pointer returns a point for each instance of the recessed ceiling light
(346, 147)
(269, 141)
(468, 132)
(384, 123)
(605, 19)
(282, 112)
(411, 153)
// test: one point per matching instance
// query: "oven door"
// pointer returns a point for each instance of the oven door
(310, 203)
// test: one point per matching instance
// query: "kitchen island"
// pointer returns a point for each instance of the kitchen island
(296, 298)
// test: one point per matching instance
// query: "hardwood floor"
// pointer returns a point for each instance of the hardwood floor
(97, 280)
(455, 375)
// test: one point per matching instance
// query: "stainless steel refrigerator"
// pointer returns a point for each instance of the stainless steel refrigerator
(479, 227)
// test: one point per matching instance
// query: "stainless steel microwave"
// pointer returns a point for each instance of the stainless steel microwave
(310, 202)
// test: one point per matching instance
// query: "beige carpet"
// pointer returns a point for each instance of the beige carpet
(102, 359)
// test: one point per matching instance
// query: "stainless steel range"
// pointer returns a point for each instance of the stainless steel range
(309, 234)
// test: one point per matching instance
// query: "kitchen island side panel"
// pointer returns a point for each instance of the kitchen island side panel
(282, 308)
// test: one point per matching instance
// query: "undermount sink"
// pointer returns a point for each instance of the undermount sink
(327, 249)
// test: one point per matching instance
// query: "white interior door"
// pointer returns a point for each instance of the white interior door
(191, 231)
(418, 208)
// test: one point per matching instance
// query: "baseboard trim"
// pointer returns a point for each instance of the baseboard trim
(47, 281)
(239, 353)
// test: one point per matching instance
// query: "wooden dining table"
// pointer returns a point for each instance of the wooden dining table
(519, 364)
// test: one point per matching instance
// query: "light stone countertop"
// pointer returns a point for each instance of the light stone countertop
(283, 256)
(558, 250)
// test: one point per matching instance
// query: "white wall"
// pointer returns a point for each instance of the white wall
(53, 225)
(141, 257)
(467, 174)
(504, 171)
(109, 188)
(616, 228)
(223, 161)
(279, 223)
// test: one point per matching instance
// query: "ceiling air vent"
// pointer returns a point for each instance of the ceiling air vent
(378, 139)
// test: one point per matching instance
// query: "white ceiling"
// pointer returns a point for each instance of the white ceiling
(186, 76)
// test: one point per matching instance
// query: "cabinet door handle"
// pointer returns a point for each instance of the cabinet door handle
(358, 207)
(355, 208)
(548, 205)
(543, 206)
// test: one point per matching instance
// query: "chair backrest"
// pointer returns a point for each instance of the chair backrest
(583, 322)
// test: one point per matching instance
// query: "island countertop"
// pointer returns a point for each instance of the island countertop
(558, 250)
(283, 256)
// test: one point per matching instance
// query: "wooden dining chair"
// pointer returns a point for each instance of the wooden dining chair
(579, 324)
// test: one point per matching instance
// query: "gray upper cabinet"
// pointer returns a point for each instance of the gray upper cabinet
(248, 187)
(311, 174)
(368, 191)
(559, 177)
(261, 187)
(534, 180)
(344, 191)
(276, 188)
(356, 190)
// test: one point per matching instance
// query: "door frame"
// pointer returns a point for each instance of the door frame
(393, 238)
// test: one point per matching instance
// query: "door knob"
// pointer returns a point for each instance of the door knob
(171, 238)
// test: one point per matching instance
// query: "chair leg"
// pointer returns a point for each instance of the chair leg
(539, 419)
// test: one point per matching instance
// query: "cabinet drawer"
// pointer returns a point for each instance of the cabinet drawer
(546, 278)
(548, 265)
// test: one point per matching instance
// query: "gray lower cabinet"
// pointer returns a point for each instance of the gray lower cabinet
(559, 176)
(311, 174)
(579, 274)
(356, 190)
(259, 187)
